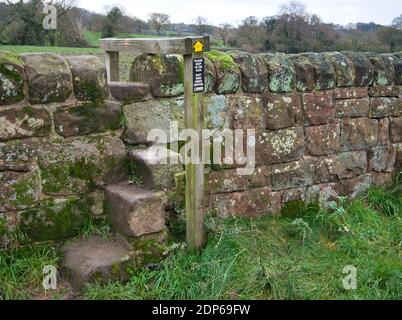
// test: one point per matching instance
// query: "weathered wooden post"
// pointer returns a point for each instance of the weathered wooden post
(194, 86)
(192, 48)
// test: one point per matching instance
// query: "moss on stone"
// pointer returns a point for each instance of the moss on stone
(294, 209)
(93, 113)
(25, 192)
(88, 90)
(223, 59)
(54, 219)
(7, 56)
(11, 79)
(73, 175)
(148, 249)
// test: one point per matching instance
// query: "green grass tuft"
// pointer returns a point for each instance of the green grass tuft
(383, 201)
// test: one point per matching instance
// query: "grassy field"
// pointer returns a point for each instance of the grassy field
(126, 59)
(93, 37)
(300, 255)
(61, 50)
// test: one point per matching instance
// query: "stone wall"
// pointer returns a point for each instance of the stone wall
(327, 124)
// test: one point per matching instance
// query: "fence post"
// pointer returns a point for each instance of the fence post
(194, 83)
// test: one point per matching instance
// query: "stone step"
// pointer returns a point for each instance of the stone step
(96, 259)
(114, 258)
(156, 166)
(129, 92)
(135, 211)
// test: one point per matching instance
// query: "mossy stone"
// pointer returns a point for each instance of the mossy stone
(227, 72)
(54, 219)
(165, 73)
(11, 78)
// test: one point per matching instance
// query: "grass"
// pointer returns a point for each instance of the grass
(92, 38)
(61, 50)
(126, 59)
(297, 256)
(21, 270)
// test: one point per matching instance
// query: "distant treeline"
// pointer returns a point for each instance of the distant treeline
(292, 30)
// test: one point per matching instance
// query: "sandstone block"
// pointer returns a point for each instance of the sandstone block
(323, 140)
(282, 111)
(324, 72)
(24, 122)
(364, 69)
(383, 69)
(156, 166)
(293, 174)
(250, 203)
(356, 186)
(384, 107)
(359, 133)
(341, 166)
(352, 108)
(350, 93)
(16, 155)
(89, 77)
(280, 146)
(396, 129)
(164, 73)
(135, 211)
(282, 73)
(382, 159)
(129, 92)
(228, 74)
(344, 68)
(18, 191)
(80, 165)
(254, 72)
(318, 107)
(304, 73)
(49, 77)
(88, 118)
(230, 181)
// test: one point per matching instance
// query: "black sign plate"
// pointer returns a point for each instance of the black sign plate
(198, 75)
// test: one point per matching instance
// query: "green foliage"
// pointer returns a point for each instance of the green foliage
(300, 229)
(111, 22)
(266, 258)
(21, 270)
(293, 209)
(383, 201)
(224, 60)
(96, 227)
(278, 258)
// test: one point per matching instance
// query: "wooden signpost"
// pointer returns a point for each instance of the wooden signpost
(192, 49)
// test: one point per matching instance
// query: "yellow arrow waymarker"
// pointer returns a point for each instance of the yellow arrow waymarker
(198, 46)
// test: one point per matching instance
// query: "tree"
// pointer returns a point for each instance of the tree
(397, 22)
(111, 23)
(251, 34)
(23, 24)
(391, 37)
(224, 31)
(139, 26)
(158, 21)
(201, 26)
(293, 9)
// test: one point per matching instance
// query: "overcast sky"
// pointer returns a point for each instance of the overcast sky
(233, 11)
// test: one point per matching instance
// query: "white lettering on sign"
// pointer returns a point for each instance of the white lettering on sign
(198, 75)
